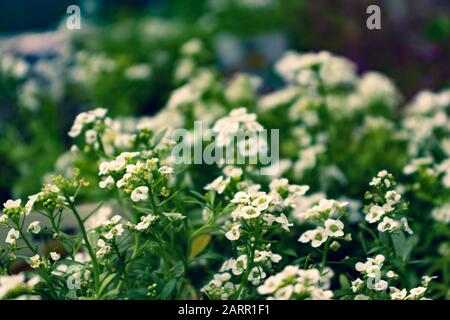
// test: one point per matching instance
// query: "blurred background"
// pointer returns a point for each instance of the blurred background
(126, 52)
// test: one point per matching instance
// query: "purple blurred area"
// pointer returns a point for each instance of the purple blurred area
(412, 47)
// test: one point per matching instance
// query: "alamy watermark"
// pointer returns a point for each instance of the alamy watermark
(374, 20)
(74, 20)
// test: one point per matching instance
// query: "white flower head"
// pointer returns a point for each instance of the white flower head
(34, 227)
(165, 170)
(107, 182)
(219, 184)
(234, 233)
(174, 215)
(12, 204)
(284, 222)
(139, 194)
(35, 261)
(145, 222)
(55, 256)
(249, 212)
(241, 197)
(334, 228)
(12, 236)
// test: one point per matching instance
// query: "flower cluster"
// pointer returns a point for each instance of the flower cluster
(134, 177)
(222, 286)
(373, 285)
(326, 215)
(442, 214)
(386, 205)
(92, 124)
(144, 227)
(19, 285)
(298, 284)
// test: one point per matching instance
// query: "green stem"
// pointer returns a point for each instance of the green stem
(88, 245)
(244, 279)
(324, 255)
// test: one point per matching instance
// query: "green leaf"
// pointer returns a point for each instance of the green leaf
(168, 289)
(178, 269)
(199, 244)
(411, 242)
(144, 210)
(343, 281)
(399, 241)
(210, 256)
(158, 137)
(105, 283)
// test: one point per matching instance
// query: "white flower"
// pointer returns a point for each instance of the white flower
(192, 47)
(55, 256)
(233, 172)
(270, 285)
(262, 202)
(12, 236)
(124, 180)
(30, 203)
(426, 280)
(317, 237)
(381, 285)
(278, 185)
(219, 184)
(391, 274)
(35, 261)
(306, 237)
(297, 190)
(12, 204)
(416, 293)
(91, 136)
(256, 275)
(227, 265)
(379, 259)
(241, 197)
(388, 225)
(334, 228)
(34, 227)
(151, 163)
(442, 214)
(284, 293)
(382, 173)
(116, 219)
(139, 194)
(3, 218)
(117, 230)
(240, 265)
(249, 212)
(166, 170)
(105, 183)
(397, 294)
(234, 233)
(174, 215)
(357, 285)
(138, 72)
(375, 214)
(360, 267)
(393, 196)
(284, 222)
(375, 181)
(103, 248)
(145, 222)
(261, 256)
(405, 225)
